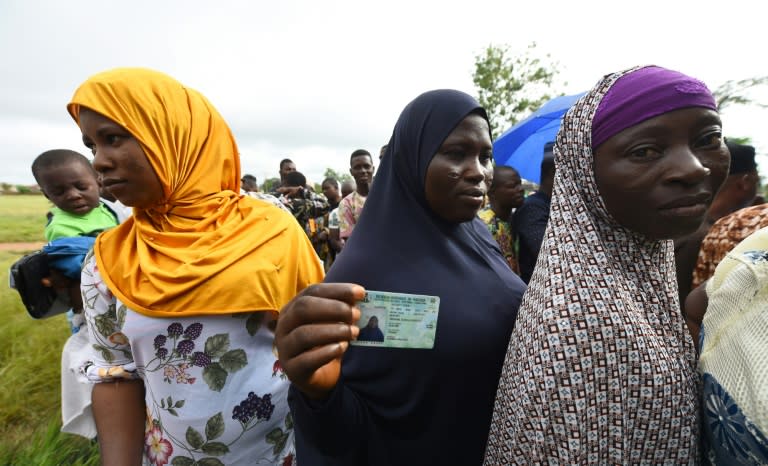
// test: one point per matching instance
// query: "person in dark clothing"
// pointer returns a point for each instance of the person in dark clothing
(371, 332)
(248, 184)
(304, 204)
(330, 187)
(286, 166)
(531, 218)
(419, 234)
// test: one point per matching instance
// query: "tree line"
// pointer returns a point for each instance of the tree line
(511, 85)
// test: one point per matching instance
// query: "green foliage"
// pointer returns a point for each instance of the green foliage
(214, 427)
(270, 184)
(278, 438)
(194, 438)
(30, 406)
(234, 360)
(510, 87)
(49, 447)
(339, 176)
(22, 218)
(217, 345)
(736, 92)
(215, 376)
(747, 141)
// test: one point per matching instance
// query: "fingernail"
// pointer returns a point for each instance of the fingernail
(358, 291)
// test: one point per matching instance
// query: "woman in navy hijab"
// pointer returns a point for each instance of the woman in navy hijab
(418, 234)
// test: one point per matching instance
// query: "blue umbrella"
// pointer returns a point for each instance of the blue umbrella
(522, 146)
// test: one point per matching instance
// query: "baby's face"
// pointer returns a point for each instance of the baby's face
(71, 187)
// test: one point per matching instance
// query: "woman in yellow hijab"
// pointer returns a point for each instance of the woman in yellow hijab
(181, 298)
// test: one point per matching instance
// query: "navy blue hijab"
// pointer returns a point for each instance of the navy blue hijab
(398, 238)
(417, 406)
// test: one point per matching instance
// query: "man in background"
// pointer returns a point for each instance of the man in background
(328, 241)
(249, 187)
(304, 204)
(504, 195)
(248, 184)
(286, 166)
(531, 218)
(383, 151)
(361, 168)
(347, 187)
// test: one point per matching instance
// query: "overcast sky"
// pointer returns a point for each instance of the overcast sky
(315, 80)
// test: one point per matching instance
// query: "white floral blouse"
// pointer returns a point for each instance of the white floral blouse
(215, 392)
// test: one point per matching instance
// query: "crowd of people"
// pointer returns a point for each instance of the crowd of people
(327, 217)
(614, 315)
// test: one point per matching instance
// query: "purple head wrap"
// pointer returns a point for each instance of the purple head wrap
(643, 94)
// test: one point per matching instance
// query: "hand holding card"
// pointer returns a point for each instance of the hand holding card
(313, 332)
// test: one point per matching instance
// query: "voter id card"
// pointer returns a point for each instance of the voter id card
(397, 320)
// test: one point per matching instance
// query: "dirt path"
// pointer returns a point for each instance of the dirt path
(21, 246)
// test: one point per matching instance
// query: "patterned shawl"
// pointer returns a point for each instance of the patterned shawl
(600, 368)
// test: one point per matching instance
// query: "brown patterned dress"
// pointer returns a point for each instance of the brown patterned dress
(724, 235)
(600, 368)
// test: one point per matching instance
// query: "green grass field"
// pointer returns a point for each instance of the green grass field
(22, 217)
(30, 358)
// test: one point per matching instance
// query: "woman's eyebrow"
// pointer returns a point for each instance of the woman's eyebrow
(711, 119)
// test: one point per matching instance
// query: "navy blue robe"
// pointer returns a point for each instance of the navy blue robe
(396, 406)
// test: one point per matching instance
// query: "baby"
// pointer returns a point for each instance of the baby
(79, 214)
(69, 181)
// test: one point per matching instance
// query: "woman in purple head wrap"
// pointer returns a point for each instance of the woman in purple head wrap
(600, 368)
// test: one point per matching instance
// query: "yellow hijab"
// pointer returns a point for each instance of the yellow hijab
(205, 249)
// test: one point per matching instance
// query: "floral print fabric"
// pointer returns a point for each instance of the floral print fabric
(503, 234)
(215, 392)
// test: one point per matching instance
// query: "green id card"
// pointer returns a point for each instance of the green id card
(397, 320)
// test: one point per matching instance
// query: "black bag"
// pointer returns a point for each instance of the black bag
(26, 277)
